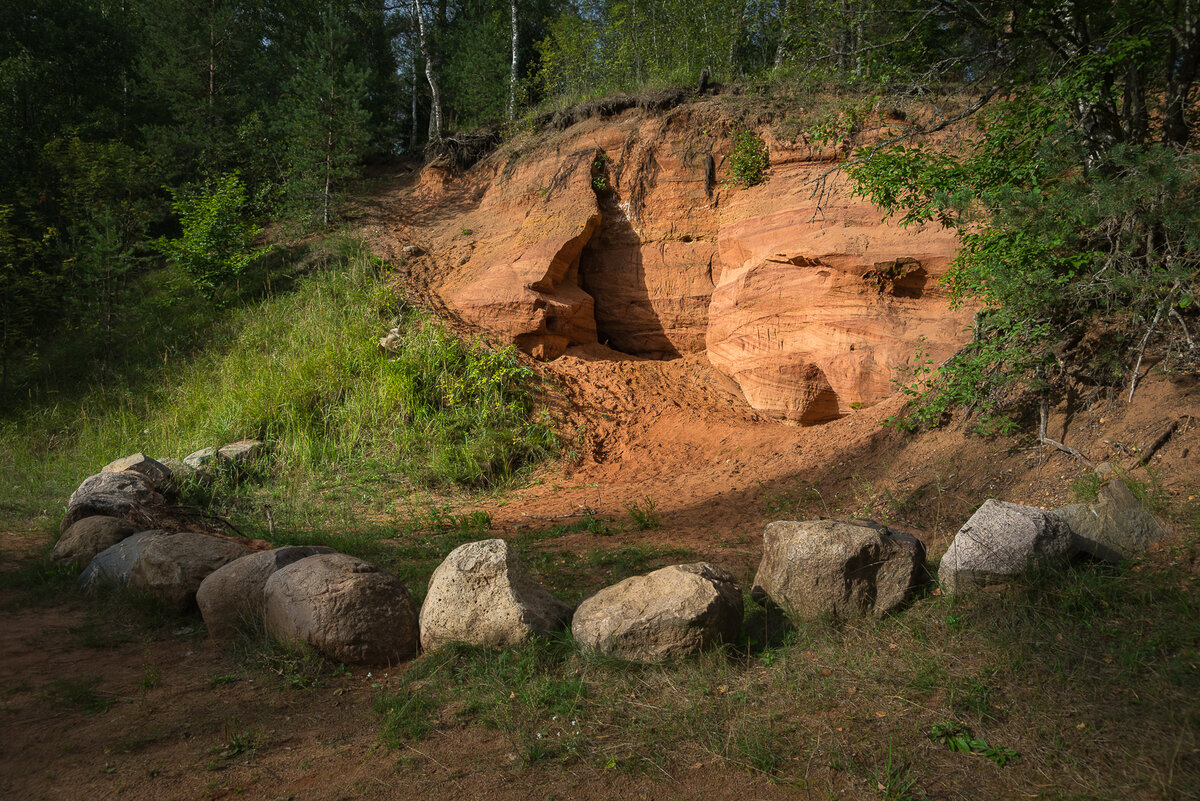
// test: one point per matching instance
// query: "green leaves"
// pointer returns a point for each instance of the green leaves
(958, 738)
(217, 244)
(748, 159)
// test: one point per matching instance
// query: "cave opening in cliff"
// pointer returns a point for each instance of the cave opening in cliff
(613, 272)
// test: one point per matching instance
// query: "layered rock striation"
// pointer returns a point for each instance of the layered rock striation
(623, 233)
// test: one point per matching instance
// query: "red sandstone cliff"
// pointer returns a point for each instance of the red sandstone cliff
(610, 232)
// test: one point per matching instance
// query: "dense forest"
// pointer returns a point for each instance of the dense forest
(167, 132)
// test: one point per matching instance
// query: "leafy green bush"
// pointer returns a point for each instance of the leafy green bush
(748, 159)
(217, 243)
(1050, 249)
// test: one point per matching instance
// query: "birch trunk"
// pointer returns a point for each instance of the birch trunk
(512, 75)
(435, 103)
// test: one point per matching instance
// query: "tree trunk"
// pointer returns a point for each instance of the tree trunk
(435, 103)
(1134, 115)
(1181, 74)
(512, 75)
(212, 53)
(412, 142)
(784, 20)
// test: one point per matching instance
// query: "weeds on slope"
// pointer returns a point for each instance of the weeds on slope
(300, 368)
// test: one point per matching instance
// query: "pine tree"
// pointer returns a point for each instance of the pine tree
(324, 119)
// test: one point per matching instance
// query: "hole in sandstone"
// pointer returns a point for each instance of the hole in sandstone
(611, 270)
(902, 278)
(912, 284)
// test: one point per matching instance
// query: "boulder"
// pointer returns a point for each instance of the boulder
(1116, 526)
(182, 474)
(345, 608)
(110, 494)
(1000, 541)
(89, 536)
(242, 451)
(672, 612)
(172, 568)
(483, 595)
(198, 460)
(232, 595)
(111, 567)
(157, 473)
(838, 568)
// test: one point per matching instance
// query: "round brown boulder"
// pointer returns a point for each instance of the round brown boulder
(172, 568)
(232, 595)
(672, 612)
(347, 609)
(837, 568)
(89, 536)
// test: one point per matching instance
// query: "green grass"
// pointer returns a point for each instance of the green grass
(1058, 669)
(644, 514)
(299, 367)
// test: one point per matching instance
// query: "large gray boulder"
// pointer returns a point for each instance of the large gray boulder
(154, 471)
(232, 595)
(669, 613)
(483, 595)
(111, 567)
(89, 536)
(838, 568)
(1116, 526)
(1001, 540)
(111, 494)
(172, 568)
(347, 609)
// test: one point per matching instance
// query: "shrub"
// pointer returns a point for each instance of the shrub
(216, 245)
(748, 159)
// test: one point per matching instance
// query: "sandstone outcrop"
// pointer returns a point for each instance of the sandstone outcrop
(999, 541)
(838, 568)
(232, 595)
(620, 234)
(669, 613)
(89, 536)
(1115, 526)
(347, 609)
(523, 283)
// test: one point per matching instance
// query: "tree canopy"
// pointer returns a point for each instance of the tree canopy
(118, 121)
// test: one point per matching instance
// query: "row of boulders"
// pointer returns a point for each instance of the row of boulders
(482, 594)
(135, 487)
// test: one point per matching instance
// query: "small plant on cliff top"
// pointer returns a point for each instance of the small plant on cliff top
(748, 160)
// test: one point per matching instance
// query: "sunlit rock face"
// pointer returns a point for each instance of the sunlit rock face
(623, 232)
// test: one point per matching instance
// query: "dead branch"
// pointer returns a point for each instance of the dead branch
(1137, 367)
(1043, 415)
(1163, 438)
(586, 510)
